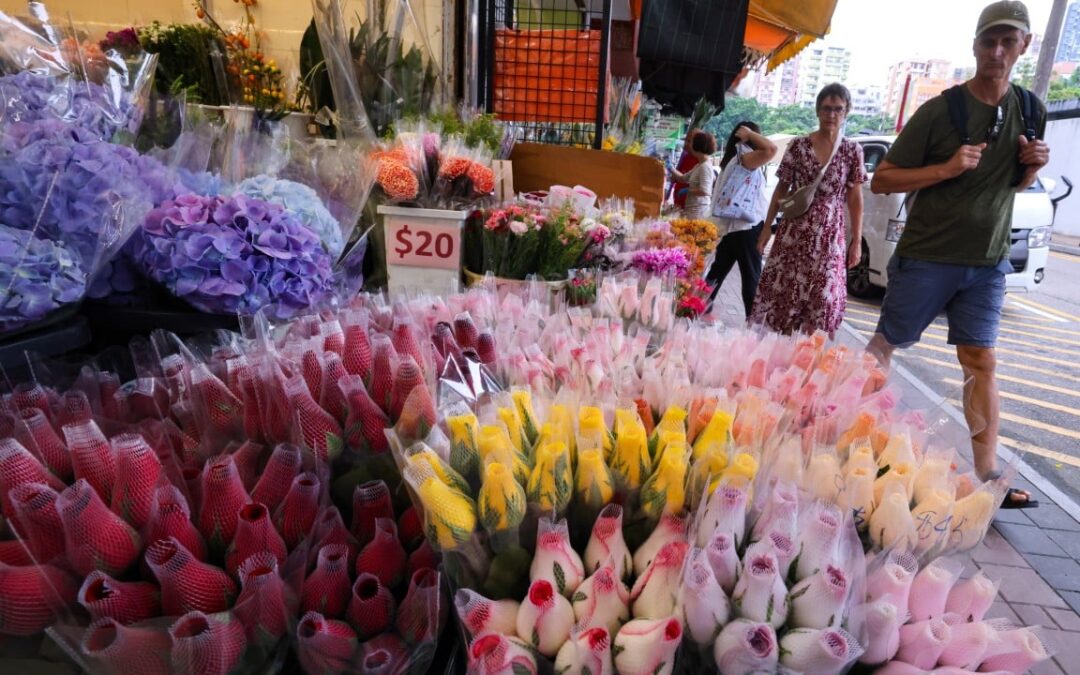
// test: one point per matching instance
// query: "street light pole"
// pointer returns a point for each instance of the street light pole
(1048, 52)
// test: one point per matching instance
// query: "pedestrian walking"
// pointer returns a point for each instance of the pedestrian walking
(700, 179)
(750, 152)
(804, 285)
(964, 154)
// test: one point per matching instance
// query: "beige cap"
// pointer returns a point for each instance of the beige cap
(1005, 13)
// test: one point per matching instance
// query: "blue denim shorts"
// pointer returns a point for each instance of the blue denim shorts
(919, 290)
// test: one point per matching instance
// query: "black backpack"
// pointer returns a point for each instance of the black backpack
(958, 114)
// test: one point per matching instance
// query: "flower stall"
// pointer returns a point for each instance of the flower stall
(567, 466)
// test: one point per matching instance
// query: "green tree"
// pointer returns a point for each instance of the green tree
(1065, 88)
(791, 119)
(1024, 73)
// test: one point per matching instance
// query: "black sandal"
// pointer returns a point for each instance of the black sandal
(1010, 502)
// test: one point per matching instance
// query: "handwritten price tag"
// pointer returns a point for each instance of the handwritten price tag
(424, 245)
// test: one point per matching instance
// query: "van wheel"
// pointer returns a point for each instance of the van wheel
(858, 278)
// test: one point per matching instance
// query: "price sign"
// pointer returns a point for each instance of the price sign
(420, 244)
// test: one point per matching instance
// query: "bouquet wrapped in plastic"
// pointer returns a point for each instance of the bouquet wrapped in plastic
(277, 232)
(193, 512)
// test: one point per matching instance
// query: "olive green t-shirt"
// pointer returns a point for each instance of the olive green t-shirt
(965, 220)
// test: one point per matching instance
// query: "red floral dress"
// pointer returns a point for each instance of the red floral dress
(804, 285)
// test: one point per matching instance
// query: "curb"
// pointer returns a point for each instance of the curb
(1065, 248)
(1055, 495)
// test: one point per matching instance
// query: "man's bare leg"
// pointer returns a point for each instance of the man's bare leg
(981, 405)
(881, 349)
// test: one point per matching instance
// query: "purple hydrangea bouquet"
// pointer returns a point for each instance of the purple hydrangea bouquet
(302, 202)
(76, 199)
(227, 255)
(65, 184)
(37, 276)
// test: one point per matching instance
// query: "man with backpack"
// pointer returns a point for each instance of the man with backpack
(966, 153)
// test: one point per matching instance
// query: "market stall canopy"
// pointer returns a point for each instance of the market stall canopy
(806, 16)
(777, 30)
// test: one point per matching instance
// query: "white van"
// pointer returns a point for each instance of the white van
(884, 217)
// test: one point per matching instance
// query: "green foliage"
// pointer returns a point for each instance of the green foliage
(791, 119)
(314, 92)
(476, 130)
(393, 82)
(1065, 88)
(186, 60)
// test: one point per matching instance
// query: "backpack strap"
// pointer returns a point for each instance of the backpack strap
(958, 114)
(1029, 111)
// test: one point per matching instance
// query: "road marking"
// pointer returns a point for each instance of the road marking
(1009, 378)
(1045, 337)
(1038, 312)
(1028, 303)
(1006, 324)
(1000, 350)
(1068, 410)
(1041, 452)
(1064, 256)
(1035, 424)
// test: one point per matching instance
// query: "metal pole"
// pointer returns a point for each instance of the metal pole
(601, 90)
(903, 104)
(1048, 52)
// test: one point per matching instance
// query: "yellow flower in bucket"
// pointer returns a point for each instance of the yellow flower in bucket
(530, 425)
(494, 444)
(706, 473)
(594, 484)
(665, 438)
(514, 428)
(716, 433)
(630, 461)
(464, 456)
(421, 454)
(664, 493)
(592, 431)
(562, 424)
(674, 419)
(501, 501)
(741, 471)
(551, 482)
(449, 515)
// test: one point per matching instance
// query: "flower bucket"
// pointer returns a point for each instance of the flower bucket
(472, 279)
(423, 249)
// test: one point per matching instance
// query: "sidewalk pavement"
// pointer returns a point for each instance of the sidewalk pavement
(1034, 553)
(1065, 243)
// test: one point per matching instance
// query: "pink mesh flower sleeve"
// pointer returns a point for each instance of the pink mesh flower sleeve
(127, 602)
(383, 556)
(324, 646)
(137, 472)
(186, 583)
(371, 608)
(327, 589)
(284, 464)
(206, 644)
(121, 649)
(223, 495)
(94, 536)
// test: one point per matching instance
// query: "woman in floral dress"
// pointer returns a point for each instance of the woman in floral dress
(804, 285)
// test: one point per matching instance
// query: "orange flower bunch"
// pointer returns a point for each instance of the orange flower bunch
(260, 81)
(699, 238)
(482, 177)
(397, 180)
(85, 58)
